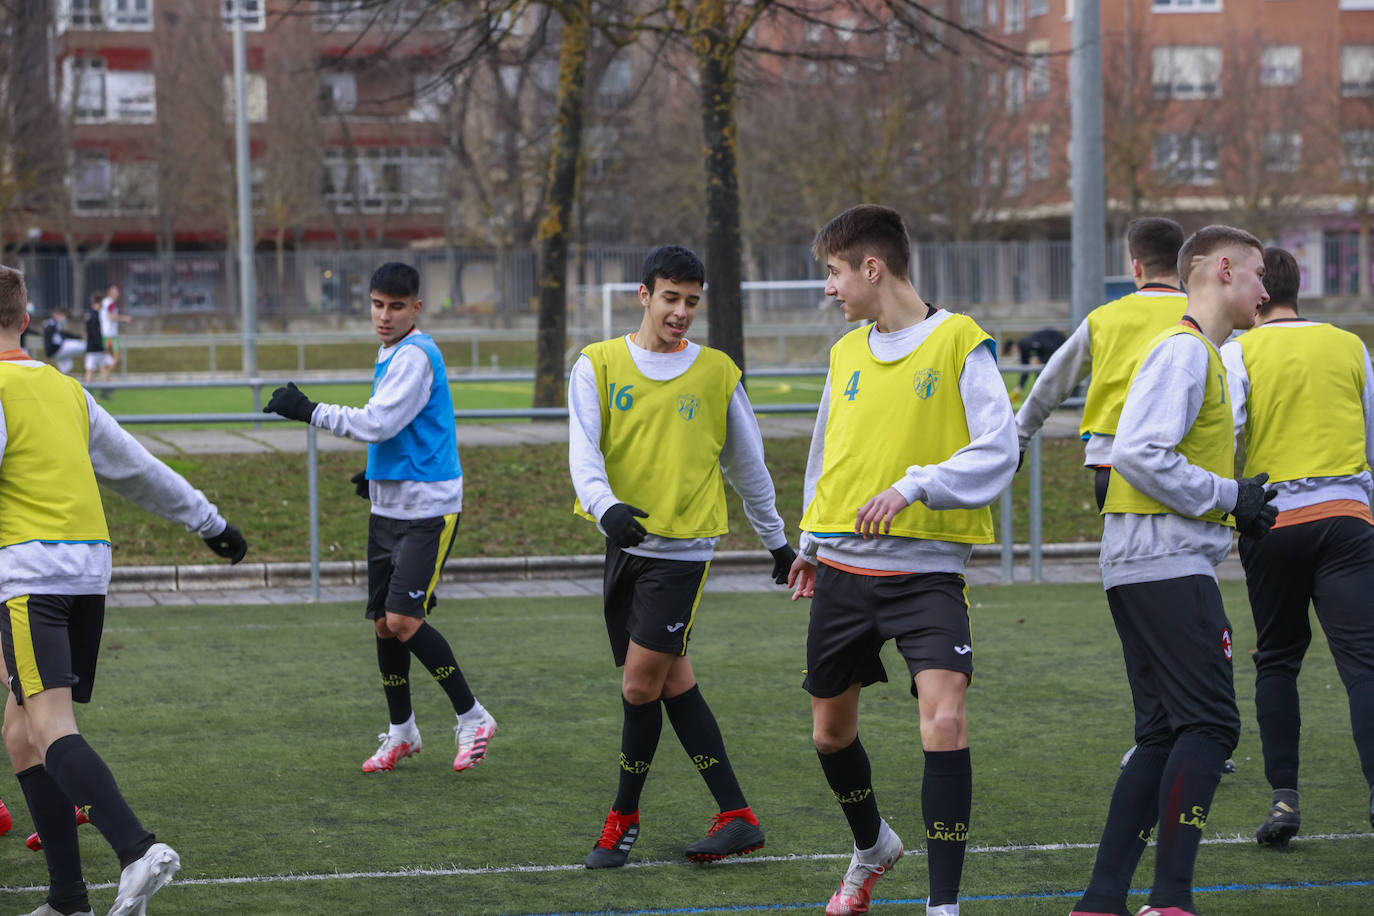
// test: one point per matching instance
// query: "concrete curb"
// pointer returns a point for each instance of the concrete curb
(206, 577)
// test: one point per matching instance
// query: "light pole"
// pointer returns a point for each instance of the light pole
(247, 277)
(1089, 221)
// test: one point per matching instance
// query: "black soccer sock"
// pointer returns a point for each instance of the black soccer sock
(1130, 818)
(638, 740)
(1280, 723)
(1186, 788)
(851, 782)
(393, 660)
(433, 651)
(85, 779)
(1362, 725)
(55, 822)
(946, 803)
(700, 736)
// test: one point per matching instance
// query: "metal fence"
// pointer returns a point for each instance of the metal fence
(1005, 543)
(198, 290)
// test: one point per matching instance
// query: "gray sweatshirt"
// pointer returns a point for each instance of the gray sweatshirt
(1305, 491)
(1160, 408)
(741, 458)
(121, 463)
(971, 478)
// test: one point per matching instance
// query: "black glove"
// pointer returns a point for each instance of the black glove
(783, 557)
(229, 544)
(359, 481)
(1254, 516)
(291, 403)
(1021, 459)
(620, 526)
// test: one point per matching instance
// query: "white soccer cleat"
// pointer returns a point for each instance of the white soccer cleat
(393, 748)
(471, 734)
(856, 889)
(144, 878)
(46, 910)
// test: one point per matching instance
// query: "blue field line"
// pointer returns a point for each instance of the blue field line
(1048, 895)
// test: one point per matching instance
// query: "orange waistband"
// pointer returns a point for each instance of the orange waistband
(1331, 508)
(860, 571)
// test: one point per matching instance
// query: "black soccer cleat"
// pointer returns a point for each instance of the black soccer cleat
(612, 850)
(1282, 822)
(733, 833)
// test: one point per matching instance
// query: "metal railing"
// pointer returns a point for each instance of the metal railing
(1005, 539)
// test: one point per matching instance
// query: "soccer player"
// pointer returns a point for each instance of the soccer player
(55, 443)
(655, 422)
(1169, 511)
(415, 482)
(96, 356)
(1107, 343)
(1296, 388)
(59, 346)
(889, 525)
(110, 319)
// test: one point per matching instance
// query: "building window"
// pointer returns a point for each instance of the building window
(84, 14)
(92, 181)
(249, 10)
(1357, 4)
(1015, 18)
(1038, 8)
(613, 91)
(433, 92)
(384, 180)
(1016, 172)
(1280, 65)
(1068, 9)
(101, 186)
(1187, 158)
(1186, 6)
(971, 12)
(991, 17)
(1357, 155)
(338, 91)
(1282, 150)
(131, 15)
(1039, 152)
(1038, 78)
(254, 93)
(1016, 89)
(1186, 72)
(84, 92)
(601, 154)
(1357, 70)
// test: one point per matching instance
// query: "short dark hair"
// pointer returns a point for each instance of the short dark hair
(396, 279)
(1209, 239)
(1154, 241)
(97, 298)
(1282, 278)
(868, 229)
(14, 299)
(672, 262)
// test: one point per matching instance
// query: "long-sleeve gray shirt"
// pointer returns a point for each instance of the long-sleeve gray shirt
(1305, 491)
(741, 458)
(400, 396)
(125, 466)
(1163, 402)
(1066, 368)
(969, 479)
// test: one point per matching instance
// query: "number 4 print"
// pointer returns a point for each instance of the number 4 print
(852, 388)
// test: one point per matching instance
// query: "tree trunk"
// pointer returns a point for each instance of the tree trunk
(716, 66)
(555, 227)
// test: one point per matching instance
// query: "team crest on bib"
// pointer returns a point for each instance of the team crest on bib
(687, 405)
(926, 382)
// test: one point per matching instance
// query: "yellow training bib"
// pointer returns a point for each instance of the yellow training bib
(886, 416)
(1119, 333)
(662, 440)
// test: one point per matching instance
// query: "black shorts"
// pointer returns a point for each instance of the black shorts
(852, 615)
(404, 558)
(650, 600)
(51, 641)
(1177, 644)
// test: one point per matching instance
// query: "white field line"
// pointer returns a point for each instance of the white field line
(1236, 840)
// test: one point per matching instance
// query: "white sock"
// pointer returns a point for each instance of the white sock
(405, 729)
(944, 909)
(477, 710)
(872, 856)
